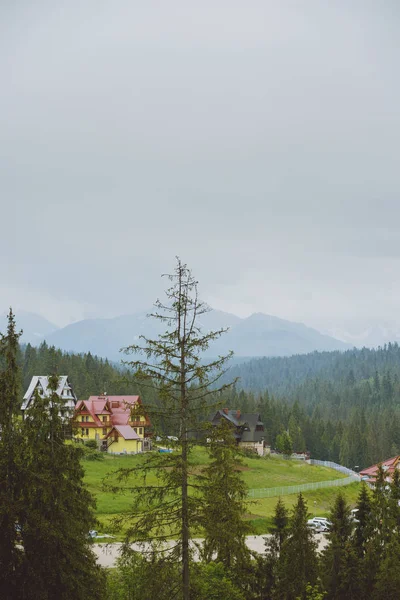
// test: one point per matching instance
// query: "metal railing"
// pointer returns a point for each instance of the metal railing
(333, 465)
(306, 487)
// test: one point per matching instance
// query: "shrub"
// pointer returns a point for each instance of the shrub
(91, 444)
(250, 453)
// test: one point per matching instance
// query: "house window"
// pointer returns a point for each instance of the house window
(140, 430)
(87, 431)
(104, 430)
(104, 419)
(135, 429)
(87, 419)
(83, 419)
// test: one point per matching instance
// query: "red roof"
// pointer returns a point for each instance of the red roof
(388, 465)
(118, 408)
(126, 432)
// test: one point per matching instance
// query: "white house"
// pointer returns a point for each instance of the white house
(40, 383)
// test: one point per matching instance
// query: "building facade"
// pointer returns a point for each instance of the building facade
(248, 428)
(118, 423)
(40, 385)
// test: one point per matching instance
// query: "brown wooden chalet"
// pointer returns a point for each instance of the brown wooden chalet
(248, 428)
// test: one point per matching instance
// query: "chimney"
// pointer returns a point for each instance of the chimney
(226, 410)
(238, 414)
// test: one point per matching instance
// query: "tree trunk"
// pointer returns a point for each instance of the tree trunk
(184, 434)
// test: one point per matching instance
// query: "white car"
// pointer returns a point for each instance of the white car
(320, 524)
(353, 515)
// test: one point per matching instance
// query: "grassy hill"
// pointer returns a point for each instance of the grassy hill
(257, 473)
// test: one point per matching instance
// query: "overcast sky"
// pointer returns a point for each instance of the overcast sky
(258, 140)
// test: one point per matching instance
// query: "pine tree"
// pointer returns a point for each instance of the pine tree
(387, 584)
(266, 570)
(333, 558)
(10, 477)
(284, 443)
(281, 521)
(381, 530)
(298, 565)
(172, 365)
(363, 526)
(57, 512)
(224, 502)
(394, 502)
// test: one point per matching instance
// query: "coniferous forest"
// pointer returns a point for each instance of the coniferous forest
(342, 410)
(343, 407)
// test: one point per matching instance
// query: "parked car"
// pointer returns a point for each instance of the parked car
(318, 527)
(320, 524)
(353, 514)
(93, 533)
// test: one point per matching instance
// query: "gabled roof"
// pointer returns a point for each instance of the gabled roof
(245, 424)
(126, 432)
(117, 407)
(241, 419)
(42, 381)
(388, 465)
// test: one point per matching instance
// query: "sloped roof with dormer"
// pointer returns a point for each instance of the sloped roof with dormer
(119, 409)
(41, 382)
(126, 431)
(388, 466)
(246, 424)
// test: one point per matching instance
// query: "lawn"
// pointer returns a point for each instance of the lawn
(256, 472)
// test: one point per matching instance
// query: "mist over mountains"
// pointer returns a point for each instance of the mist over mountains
(256, 335)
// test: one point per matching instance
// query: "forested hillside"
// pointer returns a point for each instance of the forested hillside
(340, 406)
(283, 374)
(343, 407)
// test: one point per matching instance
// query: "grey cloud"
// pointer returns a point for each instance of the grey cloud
(257, 141)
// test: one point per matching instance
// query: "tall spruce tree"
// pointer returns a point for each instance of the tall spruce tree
(381, 530)
(298, 565)
(172, 364)
(363, 526)
(394, 502)
(387, 584)
(281, 521)
(57, 511)
(11, 554)
(224, 502)
(266, 566)
(335, 555)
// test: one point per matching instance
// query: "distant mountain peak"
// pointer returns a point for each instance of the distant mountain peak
(34, 327)
(257, 335)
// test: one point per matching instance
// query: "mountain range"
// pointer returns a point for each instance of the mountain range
(256, 335)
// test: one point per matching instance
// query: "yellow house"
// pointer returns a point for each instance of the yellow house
(118, 423)
(124, 439)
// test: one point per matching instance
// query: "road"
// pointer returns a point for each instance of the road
(107, 554)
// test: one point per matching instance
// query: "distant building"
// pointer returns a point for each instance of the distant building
(40, 384)
(118, 423)
(248, 428)
(389, 466)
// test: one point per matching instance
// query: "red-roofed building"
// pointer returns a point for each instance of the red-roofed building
(117, 421)
(388, 466)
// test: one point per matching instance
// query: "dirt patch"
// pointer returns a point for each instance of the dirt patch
(242, 468)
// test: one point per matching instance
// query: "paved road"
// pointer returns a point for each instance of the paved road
(107, 554)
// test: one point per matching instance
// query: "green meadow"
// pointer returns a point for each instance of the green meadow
(257, 473)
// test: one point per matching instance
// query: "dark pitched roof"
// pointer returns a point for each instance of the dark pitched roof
(245, 423)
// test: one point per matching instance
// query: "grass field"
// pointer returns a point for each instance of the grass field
(257, 473)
